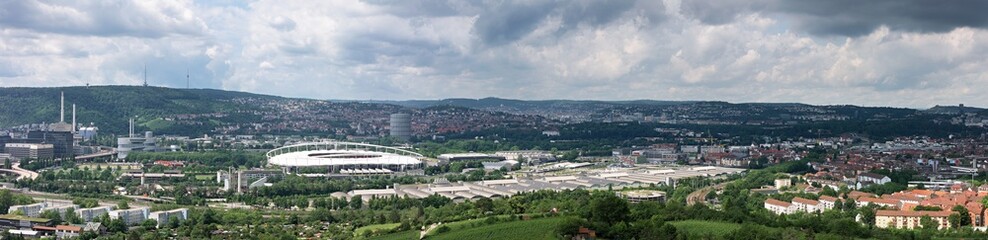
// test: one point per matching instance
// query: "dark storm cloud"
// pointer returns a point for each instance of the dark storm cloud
(98, 19)
(512, 20)
(851, 17)
(716, 12)
(432, 8)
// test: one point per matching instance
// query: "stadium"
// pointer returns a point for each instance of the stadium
(345, 158)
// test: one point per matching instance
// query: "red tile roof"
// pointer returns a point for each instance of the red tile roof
(828, 198)
(772, 201)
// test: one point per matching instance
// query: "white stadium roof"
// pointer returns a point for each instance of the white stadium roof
(340, 158)
(341, 154)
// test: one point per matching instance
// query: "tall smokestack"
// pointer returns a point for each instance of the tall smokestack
(131, 128)
(61, 117)
(73, 118)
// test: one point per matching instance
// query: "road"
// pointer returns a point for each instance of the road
(64, 198)
(24, 173)
(699, 196)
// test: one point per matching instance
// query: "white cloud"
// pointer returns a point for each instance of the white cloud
(345, 49)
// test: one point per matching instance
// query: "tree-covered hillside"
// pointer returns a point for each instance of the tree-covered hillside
(111, 106)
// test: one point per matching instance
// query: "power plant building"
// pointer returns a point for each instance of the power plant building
(401, 126)
(61, 141)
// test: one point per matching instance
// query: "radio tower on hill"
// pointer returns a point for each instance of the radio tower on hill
(145, 75)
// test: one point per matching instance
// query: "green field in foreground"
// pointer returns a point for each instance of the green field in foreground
(542, 228)
(406, 235)
(375, 228)
(700, 228)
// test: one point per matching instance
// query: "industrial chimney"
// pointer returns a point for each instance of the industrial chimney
(74, 127)
(61, 113)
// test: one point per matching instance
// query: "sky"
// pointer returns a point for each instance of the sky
(902, 53)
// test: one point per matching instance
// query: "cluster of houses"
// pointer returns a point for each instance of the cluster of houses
(27, 221)
(898, 210)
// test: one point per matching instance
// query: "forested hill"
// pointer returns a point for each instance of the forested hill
(111, 106)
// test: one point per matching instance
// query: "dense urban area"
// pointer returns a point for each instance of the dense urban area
(131, 162)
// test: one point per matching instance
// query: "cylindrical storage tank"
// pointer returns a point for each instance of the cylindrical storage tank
(401, 126)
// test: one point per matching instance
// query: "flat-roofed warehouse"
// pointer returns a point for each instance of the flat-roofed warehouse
(463, 191)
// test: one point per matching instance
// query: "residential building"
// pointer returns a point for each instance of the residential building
(130, 217)
(88, 214)
(909, 219)
(30, 210)
(778, 207)
(827, 202)
(782, 182)
(805, 205)
(878, 202)
(162, 217)
(873, 178)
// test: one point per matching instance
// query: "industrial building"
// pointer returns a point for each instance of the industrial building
(128, 144)
(638, 196)
(89, 132)
(30, 150)
(401, 126)
(61, 141)
(243, 180)
(528, 156)
(463, 191)
(456, 157)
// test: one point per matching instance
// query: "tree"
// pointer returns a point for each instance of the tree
(53, 215)
(964, 215)
(868, 216)
(955, 220)
(356, 202)
(484, 204)
(607, 208)
(828, 192)
(116, 225)
(72, 217)
(928, 223)
(122, 204)
(850, 204)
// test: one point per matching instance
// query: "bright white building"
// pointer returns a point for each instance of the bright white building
(778, 207)
(805, 205)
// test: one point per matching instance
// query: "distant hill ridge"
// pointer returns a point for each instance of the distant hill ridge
(112, 105)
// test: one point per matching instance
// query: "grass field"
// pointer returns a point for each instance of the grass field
(406, 235)
(459, 225)
(700, 228)
(374, 228)
(542, 228)
(205, 177)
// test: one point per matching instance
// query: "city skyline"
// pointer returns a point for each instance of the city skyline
(884, 53)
